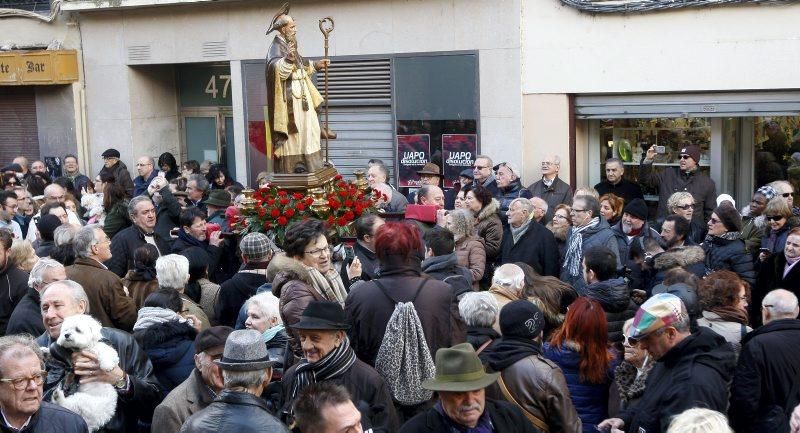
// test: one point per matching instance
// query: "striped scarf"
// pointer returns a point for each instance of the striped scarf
(572, 258)
(333, 365)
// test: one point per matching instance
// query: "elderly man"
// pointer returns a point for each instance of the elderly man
(616, 183)
(21, 386)
(430, 195)
(132, 379)
(509, 187)
(53, 193)
(327, 408)
(256, 251)
(394, 202)
(217, 203)
(550, 187)
(461, 383)
(527, 379)
(13, 282)
(196, 188)
(73, 173)
(540, 208)
(115, 167)
(109, 302)
(145, 166)
(26, 316)
(766, 376)
(430, 175)
(687, 177)
(168, 209)
(508, 283)
(201, 388)
(691, 370)
(633, 228)
(377, 173)
(588, 229)
(482, 173)
(527, 241)
(142, 231)
(246, 371)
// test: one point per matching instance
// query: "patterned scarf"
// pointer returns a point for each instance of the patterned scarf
(329, 286)
(572, 258)
(149, 316)
(517, 233)
(333, 365)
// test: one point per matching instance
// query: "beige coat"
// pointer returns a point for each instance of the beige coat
(472, 255)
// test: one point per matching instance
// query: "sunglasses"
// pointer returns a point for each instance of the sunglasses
(715, 221)
(787, 194)
(773, 217)
(685, 156)
(686, 206)
(478, 167)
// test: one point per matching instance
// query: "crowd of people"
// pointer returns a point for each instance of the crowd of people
(488, 307)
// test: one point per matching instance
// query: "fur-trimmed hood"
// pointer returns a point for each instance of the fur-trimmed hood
(679, 257)
(488, 210)
(283, 269)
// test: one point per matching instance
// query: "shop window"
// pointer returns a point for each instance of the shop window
(777, 149)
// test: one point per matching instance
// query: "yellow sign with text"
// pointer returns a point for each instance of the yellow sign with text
(18, 68)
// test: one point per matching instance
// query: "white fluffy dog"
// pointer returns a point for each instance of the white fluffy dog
(95, 402)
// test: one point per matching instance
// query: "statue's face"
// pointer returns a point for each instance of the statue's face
(290, 29)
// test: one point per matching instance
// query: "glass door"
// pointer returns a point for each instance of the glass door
(208, 135)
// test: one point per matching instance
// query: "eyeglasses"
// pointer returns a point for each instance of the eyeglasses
(480, 167)
(787, 194)
(21, 383)
(685, 156)
(773, 217)
(573, 210)
(715, 221)
(547, 163)
(560, 217)
(319, 252)
(142, 165)
(686, 206)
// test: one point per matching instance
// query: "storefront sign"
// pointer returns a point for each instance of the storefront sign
(458, 153)
(413, 151)
(205, 85)
(38, 67)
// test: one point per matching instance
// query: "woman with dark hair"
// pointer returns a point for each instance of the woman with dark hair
(611, 208)
(487, 221)
(370, 304)
(36, 183)
(10, 181)
(166, 337)
(218, 177)
(580, 348)
(724, 299)
(305, 273)
(141, 280)
(115, 206)
(168, 165)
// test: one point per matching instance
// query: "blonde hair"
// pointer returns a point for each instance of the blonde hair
(778, 206)
(22, 255)
(674, 199)
(699, 421)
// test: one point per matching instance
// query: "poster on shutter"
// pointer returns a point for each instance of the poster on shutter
(53, 164)
(458, 152)
(414, 151)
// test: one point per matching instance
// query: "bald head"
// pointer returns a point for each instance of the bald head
(779, 304)
(431, 195)
(54, 193)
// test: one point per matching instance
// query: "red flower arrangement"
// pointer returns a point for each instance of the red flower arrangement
(277, 209)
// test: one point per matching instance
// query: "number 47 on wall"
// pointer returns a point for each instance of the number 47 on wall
(211, 87)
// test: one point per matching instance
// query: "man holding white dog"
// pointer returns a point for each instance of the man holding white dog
(133, 378)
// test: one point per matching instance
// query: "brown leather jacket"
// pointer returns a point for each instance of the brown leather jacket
(539, 386)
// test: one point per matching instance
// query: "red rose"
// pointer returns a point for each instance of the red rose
(349, 215)
(262, 211)
(282, 193)
(300, 207)
(275, 213)
(270, 201)
(330, 219)
(297, 196)
(267, 225)
(348, 203)
(288, 213)
(341, 222)
(309, 201)
(333, 204)
(282, 221)
(338, 177)
(284, 201)
(358, 209)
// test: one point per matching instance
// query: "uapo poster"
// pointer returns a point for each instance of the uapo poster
(458, 153)
(414, 151)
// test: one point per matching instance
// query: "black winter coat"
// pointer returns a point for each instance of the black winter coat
(215, 254)
(51, 418)
(367, 390)
(672, 180)
(536, 247)
(478, 336)
(234, 412)
(729, 254)
(768, 367)
(615, 298)
(167, 214)
(506, 195)
(27, 316)
(123, 246)
(625, 189)
(13, 286)
(770, 277)
(143, 396)
(234, 292)
(690, 258)
(122, 176)
(445, 268)
(170, 347)
(505, 418)
(694, 373)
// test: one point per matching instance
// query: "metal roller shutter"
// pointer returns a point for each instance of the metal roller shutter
(19, 133)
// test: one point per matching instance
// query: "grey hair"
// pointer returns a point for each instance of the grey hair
(16, 345)
(84, 239)
(524, 202)
(676, 198)
(134, 202)
(543, 204)
(782, 303)
(172, 272)
(781, 186)
(510, 276)
(615, 161)
(243, 379)
(491, 163)
(463, 220)
(37, 272)
(150, 160)
(267, 303)
(49, 189)
(76, 291)
(199, 180)
(699, 420)
(478, 309)
(64, 234)
(282, 21)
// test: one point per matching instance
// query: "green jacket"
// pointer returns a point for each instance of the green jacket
(117, 218)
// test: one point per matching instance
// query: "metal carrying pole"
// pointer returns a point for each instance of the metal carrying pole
(326, 27)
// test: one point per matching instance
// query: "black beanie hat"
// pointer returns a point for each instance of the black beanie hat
(636, 208)
(729, 217)
(47, 225)
(522, 319)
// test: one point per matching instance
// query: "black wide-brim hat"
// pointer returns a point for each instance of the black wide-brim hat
(322, 315)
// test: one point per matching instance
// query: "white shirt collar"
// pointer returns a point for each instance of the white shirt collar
(5, 421)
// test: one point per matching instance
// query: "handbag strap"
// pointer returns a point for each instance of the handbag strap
(386, 292)
(541, 425)
(484, 346)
